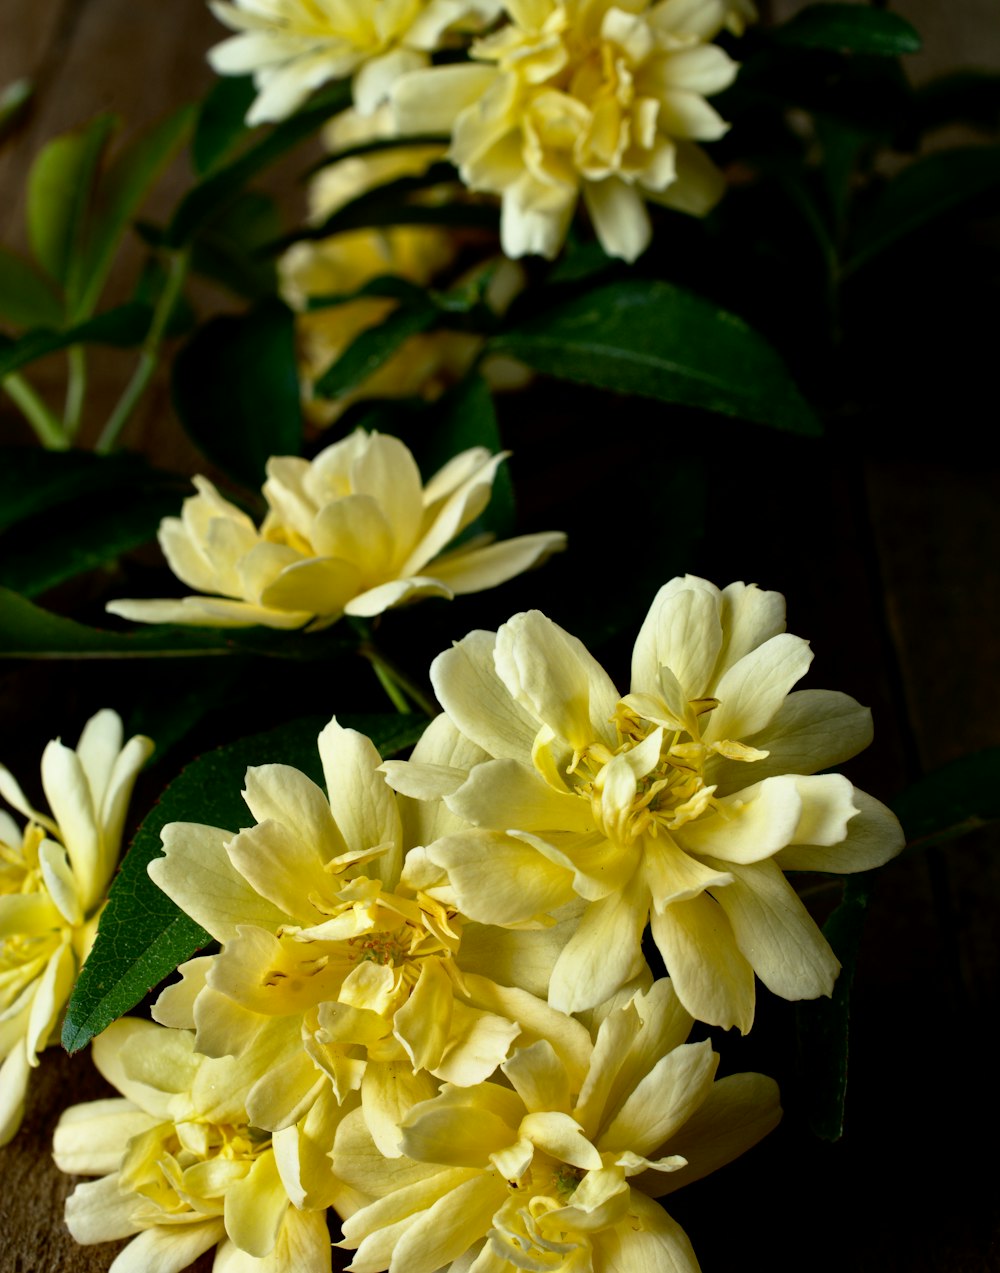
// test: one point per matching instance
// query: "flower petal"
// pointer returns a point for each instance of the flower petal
(712, 978)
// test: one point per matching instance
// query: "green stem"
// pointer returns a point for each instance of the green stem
(149, 358)
(76, 390)
(34, 410)
(396, 683)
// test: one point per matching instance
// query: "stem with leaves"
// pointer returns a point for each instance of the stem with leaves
(34, 410)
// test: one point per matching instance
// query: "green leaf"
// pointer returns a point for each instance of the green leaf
(143, 936)
(850, 28)
(656, 340)
(228, 248)
(465, 418)
(951, 801)
(14, 100)
(32, 480)
(60, 185)
(373, 347)
(929, 188)
(963, 97)
(122, 327)
(26, 299)
(220, 125)
(822, 1025)
(120, 193)
(80, 536)
(222, 185)
(236, 390)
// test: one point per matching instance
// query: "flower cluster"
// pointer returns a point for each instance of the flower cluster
(54, 874)
(354, 531)
(429, 1008)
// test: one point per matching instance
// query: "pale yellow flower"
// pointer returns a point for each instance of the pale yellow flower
(546, 1173)
(53, 878)
(679, 804)
(583, 97)
(182, 1168)
(353, 980)
(353, 531)
(293, 46)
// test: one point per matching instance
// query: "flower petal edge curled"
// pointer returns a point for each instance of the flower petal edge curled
(680, 804)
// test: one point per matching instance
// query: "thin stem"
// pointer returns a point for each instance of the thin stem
(143, 373)
(34, 410)
(396, 683)
(76, 390)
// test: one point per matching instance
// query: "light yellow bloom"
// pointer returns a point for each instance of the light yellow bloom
(679, 804)
(353, 531)
(550, 1174)
(353, 981)
(181, 1166)
(293, 46)
(53, 880)
(583, 97)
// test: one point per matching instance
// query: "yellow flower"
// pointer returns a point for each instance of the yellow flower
(181, 1167)
(546, 1173)
(582, 96)
(353, 531)
(679, 804)
(53, 878)
(351, 978)
(293, 46)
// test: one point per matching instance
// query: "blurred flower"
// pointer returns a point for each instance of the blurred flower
(180, 1165)
(679, 804)
(53, 880)
(353, 531)
(582, 96)
(542, 1172)
(426, 363)
(293, 46)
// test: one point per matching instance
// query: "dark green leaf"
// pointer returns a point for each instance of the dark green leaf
(963, 97)
(59, 191)
(654, 339)
(465, 418)
(220, 125)
(928, 189)
(14, 101)
(120, 194)
(44, 551)
(26, 299)
(390, 286)
(123, 327)
(374, 347)
(228, 248)
(951, 801)
(217, 189)
(143, 936)
(32, 480)
(822, 1025)
(236, 390)
(850, 28)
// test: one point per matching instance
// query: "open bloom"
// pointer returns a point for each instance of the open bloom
(181, 1167)
(582, 96)
(53, 878)
(354, 981)
(680, 803)
(551, 1174)
(293, 46)
(353, 531)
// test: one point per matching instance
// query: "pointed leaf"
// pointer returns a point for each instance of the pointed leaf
(26, 299)
(143, 936)
(220, 126)
(952, 800)
(60, 185)
(124, 327)
(654, 339)
(32, 481)
(850, 28)
(374, 347)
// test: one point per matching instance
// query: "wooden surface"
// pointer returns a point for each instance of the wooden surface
(909, 625)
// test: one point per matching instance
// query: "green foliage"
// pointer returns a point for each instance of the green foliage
(219, 128)
(236, 390)
(32, 481)
(373, 347)
(26, 299)
(123, 327)
(143, 936)
(855, 28)
(651, 338)
(951, 801)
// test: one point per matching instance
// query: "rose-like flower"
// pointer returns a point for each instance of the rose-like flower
(582, 96)
(551, 1174)
(182, 1168)
(53, 878)
(354, 531)
(679, 804)
(293, 46)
